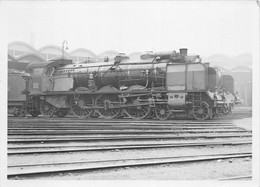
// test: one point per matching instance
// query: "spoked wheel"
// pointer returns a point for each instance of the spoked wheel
(201, 111)
(47, 110)
(62, 112)
(82, 107)
(162, 112)
(226, 110)
(139, 111)
(107, 102)
(19, 112)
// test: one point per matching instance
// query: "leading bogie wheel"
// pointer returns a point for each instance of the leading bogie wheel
(226, 110)
(46, 109)
(201, 111)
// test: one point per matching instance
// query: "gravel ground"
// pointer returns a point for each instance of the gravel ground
(245, 123)
(192, 171)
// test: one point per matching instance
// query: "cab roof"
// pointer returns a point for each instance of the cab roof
(54, 63)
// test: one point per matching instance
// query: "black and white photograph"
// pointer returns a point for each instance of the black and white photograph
(118, 93)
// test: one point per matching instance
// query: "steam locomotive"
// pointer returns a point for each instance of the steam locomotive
(159, 85)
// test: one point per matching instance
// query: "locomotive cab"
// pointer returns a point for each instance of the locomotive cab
(42, 79)
(41, 86)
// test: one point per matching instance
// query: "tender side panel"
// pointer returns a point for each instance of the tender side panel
(16, 84)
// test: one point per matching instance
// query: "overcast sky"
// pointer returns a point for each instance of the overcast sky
(205, 28)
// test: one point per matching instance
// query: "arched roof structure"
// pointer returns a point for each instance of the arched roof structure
(31, 57)
(241, 69)
(51, 49)
(82, 52)
(244, 59)
(222, 69)
(11, 58)
(22, 46)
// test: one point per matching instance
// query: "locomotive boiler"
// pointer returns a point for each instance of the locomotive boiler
(158, 85)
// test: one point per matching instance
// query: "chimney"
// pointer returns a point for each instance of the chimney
(183, 52)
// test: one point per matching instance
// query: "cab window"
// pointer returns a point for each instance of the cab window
(49, 71)
(176, 77)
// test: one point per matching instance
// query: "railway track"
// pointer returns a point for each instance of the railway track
(76, 127)
(55, 138)
(54, 168)
(55, 131)
(66, 149)
(113, 138)
(236, 178)
(100, 120)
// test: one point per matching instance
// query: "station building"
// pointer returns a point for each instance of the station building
(20, 54)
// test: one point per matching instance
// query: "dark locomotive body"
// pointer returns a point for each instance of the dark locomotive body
(228, 94)
(17, 98)
(160, 85)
